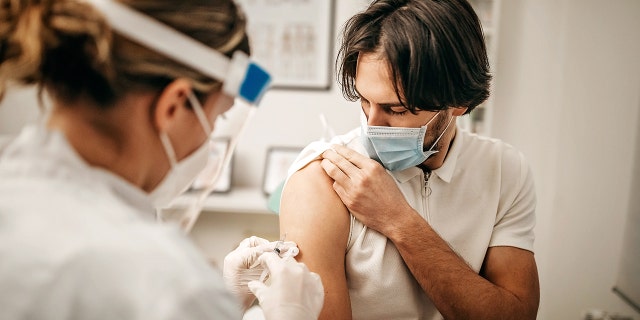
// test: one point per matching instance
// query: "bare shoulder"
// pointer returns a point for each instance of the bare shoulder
(311, 187)
(311, 213)
(313, 216)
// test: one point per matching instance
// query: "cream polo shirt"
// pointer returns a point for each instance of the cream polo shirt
(482, 196)
(78, 242)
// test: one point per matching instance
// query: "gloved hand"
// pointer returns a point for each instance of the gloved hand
(294, 291)
(241, 265)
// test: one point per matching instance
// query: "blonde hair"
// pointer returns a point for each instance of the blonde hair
(66, 46)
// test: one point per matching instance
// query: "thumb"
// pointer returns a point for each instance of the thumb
(252, 255)
(252, 241)
(257, 288)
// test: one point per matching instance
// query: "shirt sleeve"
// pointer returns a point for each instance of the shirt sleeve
(133, 282)
(516, 218)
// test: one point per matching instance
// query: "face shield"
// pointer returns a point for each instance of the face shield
(243, 81)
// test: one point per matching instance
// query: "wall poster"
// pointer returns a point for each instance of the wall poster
(293, 40)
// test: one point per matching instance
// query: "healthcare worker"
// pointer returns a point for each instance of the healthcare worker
(135, 90)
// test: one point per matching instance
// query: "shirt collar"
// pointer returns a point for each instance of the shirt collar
(39, 142)
(445, 172)
(128, 193)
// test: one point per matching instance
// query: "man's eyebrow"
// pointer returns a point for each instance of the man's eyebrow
(384, 105)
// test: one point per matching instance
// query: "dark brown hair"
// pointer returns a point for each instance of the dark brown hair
(435, 50)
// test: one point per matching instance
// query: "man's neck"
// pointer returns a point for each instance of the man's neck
(437, 160)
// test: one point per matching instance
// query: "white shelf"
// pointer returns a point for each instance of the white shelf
(238, 200)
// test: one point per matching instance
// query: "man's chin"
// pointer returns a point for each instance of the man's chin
(434, 162)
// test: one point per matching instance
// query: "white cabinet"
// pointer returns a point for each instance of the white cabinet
(238, 200)
(227, 218)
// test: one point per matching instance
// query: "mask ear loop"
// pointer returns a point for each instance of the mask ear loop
(168, 148)
(171, 155)
(164, 138)
(193, 209)
(202, 117)
(440, 136)
(434, 116)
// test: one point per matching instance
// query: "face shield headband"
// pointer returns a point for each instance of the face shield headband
(241, 77)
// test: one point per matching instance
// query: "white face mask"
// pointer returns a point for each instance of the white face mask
(181, 174)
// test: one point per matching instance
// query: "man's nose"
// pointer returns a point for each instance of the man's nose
(377, 117)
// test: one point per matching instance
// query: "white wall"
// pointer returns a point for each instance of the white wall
(292, 117)
(567, 94)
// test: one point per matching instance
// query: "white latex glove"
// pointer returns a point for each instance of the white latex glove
(294, 291)
(241, 265)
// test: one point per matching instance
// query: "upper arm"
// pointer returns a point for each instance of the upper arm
(313, 216)
(509, 262)
(514, 270)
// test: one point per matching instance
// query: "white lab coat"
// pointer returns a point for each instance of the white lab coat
(78, 242)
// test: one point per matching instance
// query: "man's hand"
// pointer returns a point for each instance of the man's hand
(508, 287)
(365, 187)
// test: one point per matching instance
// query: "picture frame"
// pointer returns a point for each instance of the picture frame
(293, 40)
(219, 146)
(277, 163)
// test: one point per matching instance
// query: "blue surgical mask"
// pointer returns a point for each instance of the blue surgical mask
(397, 148)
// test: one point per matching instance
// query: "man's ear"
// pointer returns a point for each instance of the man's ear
(458, 111)
(169, 103)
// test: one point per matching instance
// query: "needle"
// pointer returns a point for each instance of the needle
(276, 249)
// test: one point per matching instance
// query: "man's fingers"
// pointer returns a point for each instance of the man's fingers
(351, 155)
(340, 180)
(342, 163)
(333, 171)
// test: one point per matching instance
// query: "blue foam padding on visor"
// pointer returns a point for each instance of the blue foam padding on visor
(255, 83)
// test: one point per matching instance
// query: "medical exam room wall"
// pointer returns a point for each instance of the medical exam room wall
(566, 94)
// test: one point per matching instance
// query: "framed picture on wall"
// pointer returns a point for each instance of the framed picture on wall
(293, 40)
(277, 163)
(223, 184)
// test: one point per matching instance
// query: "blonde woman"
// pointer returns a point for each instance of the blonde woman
(135, 89)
